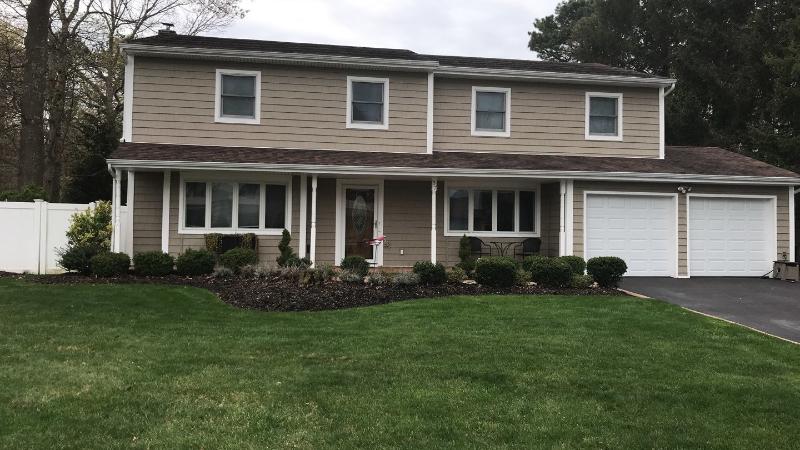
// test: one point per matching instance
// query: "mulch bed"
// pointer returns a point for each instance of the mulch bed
(272, 294)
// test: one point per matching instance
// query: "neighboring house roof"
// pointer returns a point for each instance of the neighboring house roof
(440, 63)
(686, 162)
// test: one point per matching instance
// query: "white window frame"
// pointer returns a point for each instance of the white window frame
(285, 180)
(604, 137)
(367, 125)
(477, 132)
(218, 117)
(494, 187)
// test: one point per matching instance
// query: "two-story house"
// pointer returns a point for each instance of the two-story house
(340, 145)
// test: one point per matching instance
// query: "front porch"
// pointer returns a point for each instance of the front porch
(332, 216)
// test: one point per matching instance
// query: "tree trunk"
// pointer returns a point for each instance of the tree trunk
(34, 86)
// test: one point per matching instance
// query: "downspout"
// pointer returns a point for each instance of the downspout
(671, 88)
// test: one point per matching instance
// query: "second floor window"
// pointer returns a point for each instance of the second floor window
(367, 102)
(491, 110)
(603, 116)
(238, 96)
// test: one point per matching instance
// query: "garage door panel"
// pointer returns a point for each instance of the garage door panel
(731, 236)
(639, 229)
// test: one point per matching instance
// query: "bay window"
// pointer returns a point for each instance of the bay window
(234, 207)
(491, 212)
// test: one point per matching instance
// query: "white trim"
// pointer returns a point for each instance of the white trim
(429, 125)
(450, 172)
(127, 101)
(601, 137)
(129, 203)
(661, 130)
(341, 185)
(165, 207)
(562, 218)
(301, 244)
(208, 179)
(555, 77)
(497, 185)
(673, 195)
(504, 133)
(218, 117)
(434, 188)
(349, 108)
(313, 248)
(115, 209)
(569, 228)
(773, 199)
(792, 230)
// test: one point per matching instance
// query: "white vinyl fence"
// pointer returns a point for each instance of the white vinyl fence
(32, 232)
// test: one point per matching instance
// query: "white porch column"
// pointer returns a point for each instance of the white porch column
(434, 187)
(116, 199)
(165, 205)
(562, 219)
(129, 203)
(313, 249)
(569, 226)
(303, 215)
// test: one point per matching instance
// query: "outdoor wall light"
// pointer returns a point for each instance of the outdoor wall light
(684, 189)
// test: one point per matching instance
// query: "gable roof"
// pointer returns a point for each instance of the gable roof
(680, 162)
(443, 62)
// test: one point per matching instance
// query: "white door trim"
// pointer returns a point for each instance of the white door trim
(341, 185)
(674, 197)
(773, 199)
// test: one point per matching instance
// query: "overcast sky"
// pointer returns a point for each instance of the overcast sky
(491, 28)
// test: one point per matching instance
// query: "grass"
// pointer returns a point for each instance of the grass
(171, 367)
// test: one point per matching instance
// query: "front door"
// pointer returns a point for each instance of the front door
(359, 222)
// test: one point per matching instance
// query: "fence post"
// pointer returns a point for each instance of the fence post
(40, 231)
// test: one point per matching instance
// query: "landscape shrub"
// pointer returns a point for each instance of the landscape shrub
(581, 281)
(195, 262)
(405, 279)
(550, 272)
(348, 276)
(530, 261)
(456, 275)
(379, 278)
(294, 261)
(465, 254)
(249, 271)
(89, 234)
(287, 254)
(222, 272)
(236, 258)
(326, 271)
(523, 277)
(498, 271)
(76, 258)
(576, 263)
(430, 273)
(291, 273)
(355, 264)
(607, 271)
(153, 263)
(108, 264)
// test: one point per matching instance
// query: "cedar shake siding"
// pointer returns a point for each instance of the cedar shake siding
(301, 107)
(546, 119)
(782, 219)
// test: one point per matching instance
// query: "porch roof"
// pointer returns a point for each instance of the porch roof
(685, 163)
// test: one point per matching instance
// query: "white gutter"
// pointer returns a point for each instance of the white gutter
(562, 77)
(451, 172)
(670, 89)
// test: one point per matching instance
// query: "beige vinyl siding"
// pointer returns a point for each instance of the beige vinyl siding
(147, 200)
(781, 194)
(551, 220)
(301, 107)
(545, 119)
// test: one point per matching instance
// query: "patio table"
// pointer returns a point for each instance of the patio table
(502, 247)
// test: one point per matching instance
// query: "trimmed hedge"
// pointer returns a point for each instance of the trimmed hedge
(108, 264)
(530, 261)
(498, 271)
(355, 264)
(77, 258)
(430, 273)
(550, 272)
(607, 271)
(195, 262)
(153, 263)
(236, 258)
(576, 263)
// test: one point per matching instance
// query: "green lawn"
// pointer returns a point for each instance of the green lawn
(172, 367)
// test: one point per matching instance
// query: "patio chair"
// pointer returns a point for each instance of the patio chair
(528, 247)
(479, 248)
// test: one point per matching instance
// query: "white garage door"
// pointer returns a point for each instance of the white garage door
(637, 228)
(731, 236)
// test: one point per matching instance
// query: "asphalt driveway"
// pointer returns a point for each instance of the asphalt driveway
(768, 305)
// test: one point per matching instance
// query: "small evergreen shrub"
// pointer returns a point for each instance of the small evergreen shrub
(496, 271)
(153, 263)
(195, 262)
(249, 271)
(236, 258)
(576, 263)
(287, 253)
(581, 282)
(379, 278)
(348, 276)
(607, 271)
(294, 261)
(222, 272)
(523, 277)
(108, 264)
(551, 272)
(326, 271)
(355, 264)
(77, 258)
(405, 279)
(89, 234)
(430, 273)
(456, 275)
(530, 261)
(465, 254)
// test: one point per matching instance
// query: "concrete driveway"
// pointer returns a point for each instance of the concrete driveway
(771, 306)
